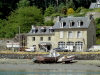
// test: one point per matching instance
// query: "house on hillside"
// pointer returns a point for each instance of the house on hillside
(77, 33)
(95, 5)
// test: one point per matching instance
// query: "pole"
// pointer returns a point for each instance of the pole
(19, 38)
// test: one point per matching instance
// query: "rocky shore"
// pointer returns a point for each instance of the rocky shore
(27, 64)
(30, 56)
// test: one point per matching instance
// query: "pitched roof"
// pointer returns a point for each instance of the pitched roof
(93, 5)
(85, 21)
(57, 25)
(39, 31)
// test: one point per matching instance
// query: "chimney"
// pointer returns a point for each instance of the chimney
(90, 16)
(32, 26)
(58, 18)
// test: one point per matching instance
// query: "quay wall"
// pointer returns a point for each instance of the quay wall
(78, 55)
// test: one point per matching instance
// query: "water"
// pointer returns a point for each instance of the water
(49, 72)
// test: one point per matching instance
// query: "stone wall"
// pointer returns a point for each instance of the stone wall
(30, 56)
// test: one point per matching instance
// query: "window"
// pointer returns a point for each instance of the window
(51, 30)
(70, 43)
(41, 38)
(70, 34)
(72, 23)
(34, 30)
(49, 38)
(79, 34)
(80, 23)
(61, 44)
(43, 29)
(79, 46)
(64, 24)
(33, 38)
(61, 34)
(61, 26)
(98, 5)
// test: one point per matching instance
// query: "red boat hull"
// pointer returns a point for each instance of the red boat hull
(41, 59)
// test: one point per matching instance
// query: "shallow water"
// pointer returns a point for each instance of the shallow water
(49, 72)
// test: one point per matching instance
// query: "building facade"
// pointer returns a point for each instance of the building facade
(95, 5)
(75, 33)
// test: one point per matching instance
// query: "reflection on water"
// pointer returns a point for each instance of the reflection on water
(49, 72)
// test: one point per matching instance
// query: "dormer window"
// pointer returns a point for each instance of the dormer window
(98, 1)
(43, 29)
(34, 30)
(80, 23)
(51, 30)
(63, 24)
(71, 24)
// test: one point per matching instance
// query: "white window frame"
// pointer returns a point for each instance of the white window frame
(70, 23)
(70, 35)
(61, 25)
(79, 34)
(79, 23)
(61, 34)
(61, 44)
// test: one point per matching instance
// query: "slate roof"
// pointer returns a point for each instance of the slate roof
(94, 5)
(85, 20)
(39, 31)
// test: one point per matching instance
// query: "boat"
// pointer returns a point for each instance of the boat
(51, 58)
(66, 58)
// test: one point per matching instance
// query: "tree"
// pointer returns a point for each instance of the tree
(23, 3)
(97, 20)
(64, 10)
(70, 11)
(71, 4)
(23, 17)
(49, 11)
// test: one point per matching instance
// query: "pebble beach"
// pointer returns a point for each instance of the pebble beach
(27, 64)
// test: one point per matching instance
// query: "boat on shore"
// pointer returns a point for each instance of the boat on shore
(53, 57)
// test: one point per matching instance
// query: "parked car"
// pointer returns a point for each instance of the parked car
(61, 49)
(31, 49)
(94, 48)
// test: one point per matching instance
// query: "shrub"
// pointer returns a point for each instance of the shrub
(49, 23)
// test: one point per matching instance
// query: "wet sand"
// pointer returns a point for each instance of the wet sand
(27, 64)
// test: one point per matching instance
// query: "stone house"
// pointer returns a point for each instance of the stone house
(95, 5)
(77, 33)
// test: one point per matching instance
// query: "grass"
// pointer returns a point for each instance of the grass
(10, 52)
(98, 41)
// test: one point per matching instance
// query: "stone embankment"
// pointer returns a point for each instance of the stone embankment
(78, 55)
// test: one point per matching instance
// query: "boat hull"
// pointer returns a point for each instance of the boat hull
(41, 59)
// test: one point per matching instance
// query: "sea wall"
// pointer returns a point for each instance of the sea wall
(30, 56)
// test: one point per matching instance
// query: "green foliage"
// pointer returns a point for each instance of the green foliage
(23, 17)
(49, 23)
(57, 14)
(70, 11)
(23, 3)
(64, 10)
(97, 20)
(71, 4)
(98, 41)
(96, 10)
(78, 14)
(79, 9)
(49, 11)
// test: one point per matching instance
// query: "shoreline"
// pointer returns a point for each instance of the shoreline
(27, 64)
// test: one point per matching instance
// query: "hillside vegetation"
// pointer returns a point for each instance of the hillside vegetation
(24, 13)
